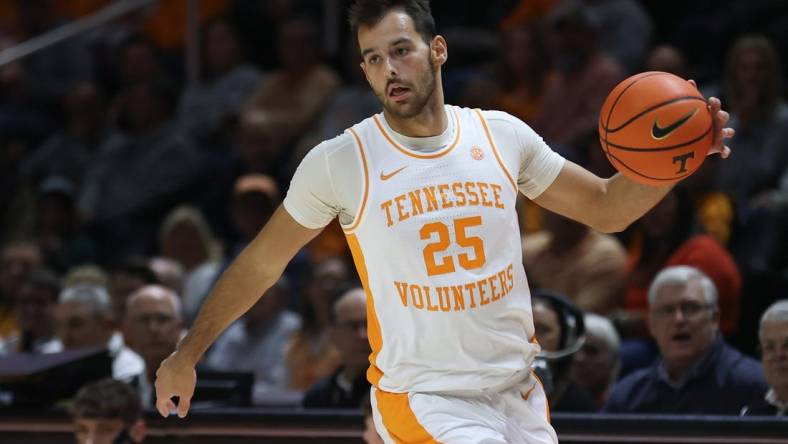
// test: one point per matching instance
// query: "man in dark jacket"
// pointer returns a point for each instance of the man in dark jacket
(347, 387)
(698, 372)
(773, 337)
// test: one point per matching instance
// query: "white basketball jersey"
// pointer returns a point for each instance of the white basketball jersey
(437, 245)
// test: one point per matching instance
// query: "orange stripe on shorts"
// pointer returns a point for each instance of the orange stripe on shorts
(399, 419)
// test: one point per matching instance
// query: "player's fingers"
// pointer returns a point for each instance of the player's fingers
(164, 406)
(692, 82)
(726, 151)
(728, 133)
(723, 117)
(183, 406)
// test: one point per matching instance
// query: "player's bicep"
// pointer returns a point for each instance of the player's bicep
(575, 194)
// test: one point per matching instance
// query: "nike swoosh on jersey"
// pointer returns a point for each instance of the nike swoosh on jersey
(659, 132)
(384, 176)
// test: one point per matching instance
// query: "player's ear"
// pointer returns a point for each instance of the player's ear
(439, 50)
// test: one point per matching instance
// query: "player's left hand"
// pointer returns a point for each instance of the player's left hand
(721, 132)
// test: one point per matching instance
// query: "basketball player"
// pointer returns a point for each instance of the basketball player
(425, 193)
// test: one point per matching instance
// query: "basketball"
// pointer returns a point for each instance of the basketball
(654, 128)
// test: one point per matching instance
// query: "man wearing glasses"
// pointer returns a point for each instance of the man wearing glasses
(348, 386)
(773, 337)
(697, 372)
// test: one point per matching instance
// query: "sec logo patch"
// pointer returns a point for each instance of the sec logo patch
(477, 153)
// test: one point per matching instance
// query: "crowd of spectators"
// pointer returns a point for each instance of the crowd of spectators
(127, 192)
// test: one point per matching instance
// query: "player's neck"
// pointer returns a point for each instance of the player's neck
(431, 121)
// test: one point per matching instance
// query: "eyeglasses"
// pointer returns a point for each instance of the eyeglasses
(687, 309)
(769, 348)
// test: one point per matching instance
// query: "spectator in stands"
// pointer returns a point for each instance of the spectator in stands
(292, 97)
(257, 343)
(168, 272)
(759, 114)
(138, 61)
(697, 371)
(71, 150)
(582, 78)
(595, 366)
(131, 275)
(773, 337)
(55, 69)
(86, 275)
(152, 328)
(34, 311)
(226, 82)
(136, 177)
(17, 261)
(570, 258)
(662, 238)
(83, 318)
(628, 29)
(107, 412)
(554, 332)
(668, 58)
(186, 237)
(523, 69)
(255, 197)
(57, 228)
(311, 356)
(347, 387)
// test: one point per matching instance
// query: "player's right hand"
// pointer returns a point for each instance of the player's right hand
(174, 378)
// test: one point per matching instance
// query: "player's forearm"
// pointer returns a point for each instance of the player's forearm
(625, 201)
(237, 290)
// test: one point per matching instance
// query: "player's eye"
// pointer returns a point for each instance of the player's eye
(373, 60)
(401, 51)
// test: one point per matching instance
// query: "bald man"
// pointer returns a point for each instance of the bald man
(152, 326)
(347, 387)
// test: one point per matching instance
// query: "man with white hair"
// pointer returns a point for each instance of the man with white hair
(596, 365)
(698, 372)
(84, 318)
(773, 338)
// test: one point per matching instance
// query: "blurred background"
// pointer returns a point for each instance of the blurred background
(144, 143)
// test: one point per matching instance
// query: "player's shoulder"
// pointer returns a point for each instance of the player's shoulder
(340, 142)
(503, 121)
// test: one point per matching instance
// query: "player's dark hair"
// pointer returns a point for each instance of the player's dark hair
(108, 399)
(370, 12)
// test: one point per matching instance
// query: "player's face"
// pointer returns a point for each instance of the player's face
(399, 65)
(682, 322)
(774, 351)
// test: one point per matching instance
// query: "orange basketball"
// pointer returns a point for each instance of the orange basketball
(655, 128)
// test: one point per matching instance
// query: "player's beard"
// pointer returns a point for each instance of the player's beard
(421, 92)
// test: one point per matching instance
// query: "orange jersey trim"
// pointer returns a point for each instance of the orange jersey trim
(495, 150)
(373, 325)
(360, 212)
(399, 419)
(412, 153)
